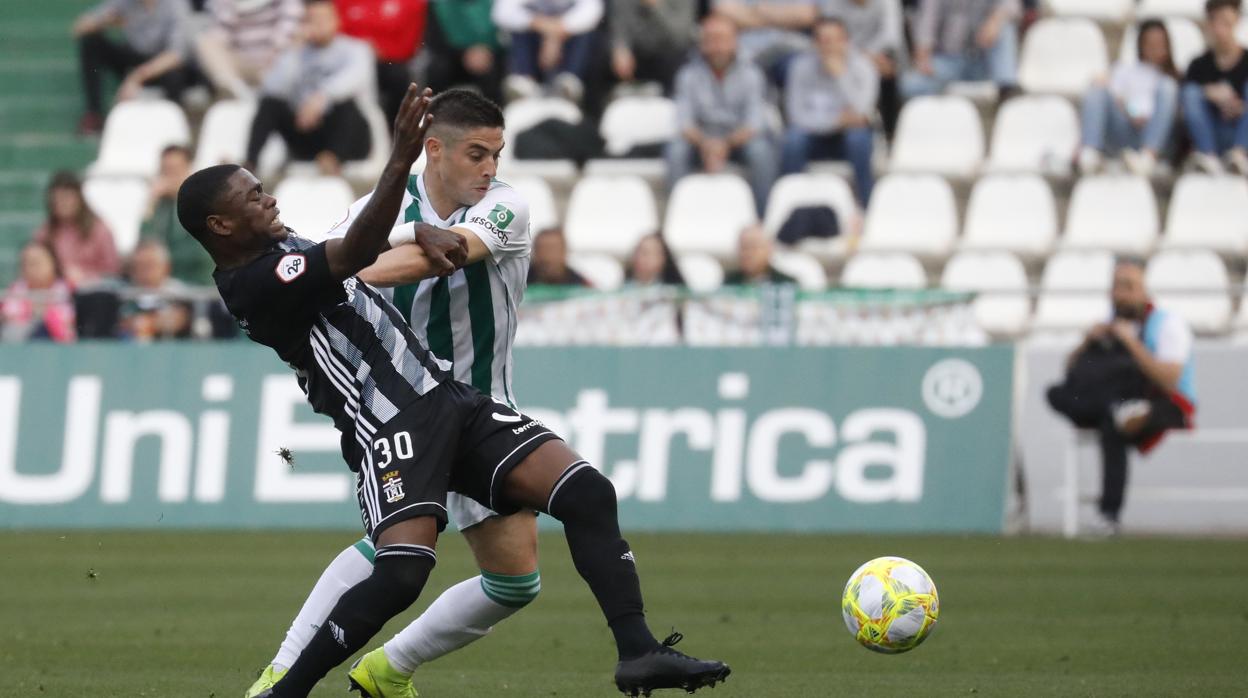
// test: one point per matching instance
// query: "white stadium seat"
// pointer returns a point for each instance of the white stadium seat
(1034, 133)
(794, 191)
(609, 214)
(1192, 9)
(604, 272)
(1194, 284)
(942, 135)
(1074, 291)
(1101, 10)
(1112, 212)
(805, 269)
(135, 133)
(637, 120)
(1187, 41)
(223, 138)
(543, 213)
(120, 202)
(1062, 56)
(1015, 213)
(1001, 306)
(706, 213)
(1241, 31)
(1209, 212)
(702, 273)
(911, 213)
(883, 271)
(310, 206)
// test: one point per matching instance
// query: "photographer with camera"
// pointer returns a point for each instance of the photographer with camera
(1131, 379)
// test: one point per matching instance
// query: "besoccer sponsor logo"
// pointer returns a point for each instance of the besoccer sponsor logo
(496, 221)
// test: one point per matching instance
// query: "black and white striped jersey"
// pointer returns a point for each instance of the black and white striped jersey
(354, 355)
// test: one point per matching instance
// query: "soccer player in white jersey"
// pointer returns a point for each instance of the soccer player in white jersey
(465, 314)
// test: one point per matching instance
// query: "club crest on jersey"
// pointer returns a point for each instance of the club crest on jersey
(392, 487)
(291, 267)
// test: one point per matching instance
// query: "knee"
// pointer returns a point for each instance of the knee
(404, 567)
(585, 495)
(1192, 96)
(512, 591)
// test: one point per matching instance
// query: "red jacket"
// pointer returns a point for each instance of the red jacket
(393, 27)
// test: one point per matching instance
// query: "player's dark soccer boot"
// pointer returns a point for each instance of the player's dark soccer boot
(665, 667)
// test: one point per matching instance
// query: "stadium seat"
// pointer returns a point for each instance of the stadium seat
(1112, 212)
(602, 271)
(310, 206)
(1241, 31)
(911, 213)
(610, 214)
(543, 213)
(1194, 284)
(1192, 9)
(636, 120)
(135, 133)
(884, 270)
(804, 269)
(797, 190)
(705, 213)
(1035, 133)
(1062, 56)
(941, 135)
(1001, 306)
(223, 138)
(1101, 10)
(1186, 41)
(1074, 291)
(1209, 212)
(120, 202)
(1014, 213)
(522, 115)
(702, 272)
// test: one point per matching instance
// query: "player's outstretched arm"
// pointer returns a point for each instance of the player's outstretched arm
(366, 237)
(419, 251)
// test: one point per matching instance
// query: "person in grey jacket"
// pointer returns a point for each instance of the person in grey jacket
(876, 27)
(650, 39)
(308, 97)
(829, 100)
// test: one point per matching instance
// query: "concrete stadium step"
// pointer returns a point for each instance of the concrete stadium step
(15, 230)
(49, 114)
(46, 152)
(36, 40)
(50, 77)
(22, 190)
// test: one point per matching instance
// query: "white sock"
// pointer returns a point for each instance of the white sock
(351, 567)
(461, 615)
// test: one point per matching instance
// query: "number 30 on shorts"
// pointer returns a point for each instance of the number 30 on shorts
(402, 449)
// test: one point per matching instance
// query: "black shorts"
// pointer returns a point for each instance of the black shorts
(453, 438)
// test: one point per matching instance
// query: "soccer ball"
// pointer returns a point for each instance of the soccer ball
(890, 605)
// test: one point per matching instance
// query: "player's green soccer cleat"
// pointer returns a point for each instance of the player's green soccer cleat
(268, 677)
(373, 677)
(667, 668)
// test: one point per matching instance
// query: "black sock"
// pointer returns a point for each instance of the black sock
(585, 502)
(399, 573)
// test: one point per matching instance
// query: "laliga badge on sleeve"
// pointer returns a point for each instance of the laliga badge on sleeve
(291, 267)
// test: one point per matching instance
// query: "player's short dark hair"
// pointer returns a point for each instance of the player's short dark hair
(1212, 6)
(199, 196)
(1129, 260)
(175, 148)
(464, 109)
(830, 19)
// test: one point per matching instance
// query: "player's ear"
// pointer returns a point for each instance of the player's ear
(219, 225)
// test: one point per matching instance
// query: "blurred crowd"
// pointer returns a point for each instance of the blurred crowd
(767, 86)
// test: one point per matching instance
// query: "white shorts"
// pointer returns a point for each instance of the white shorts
(466, 512)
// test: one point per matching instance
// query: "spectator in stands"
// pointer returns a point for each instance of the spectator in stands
(83, 244)
(191, 263)
(395, 29)
(754, 250)
(771, 31)
(40, 304)
(462, 48)
(1131, 379)
(550, 261)
(650, 39)
(308, 97)
(156, 306)
(551, 39)
(876, 27)
(720, 102)
(1135, 110)
(153, 50)
(829, 100)
(1214, 93)
(652, 264)
(964, 40)
(244, 38)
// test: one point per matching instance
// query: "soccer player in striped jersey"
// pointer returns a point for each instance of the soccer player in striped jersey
(466, 314)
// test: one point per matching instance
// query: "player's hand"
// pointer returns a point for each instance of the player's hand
(411, 124)
(446, 251)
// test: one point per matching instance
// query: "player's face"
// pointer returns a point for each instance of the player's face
(1129, 295)
(251, 215)
(466, 165)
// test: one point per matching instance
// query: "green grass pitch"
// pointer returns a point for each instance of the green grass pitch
(179, 614)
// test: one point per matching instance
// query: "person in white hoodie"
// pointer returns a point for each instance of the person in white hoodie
(1134, 111)
(550, 40)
